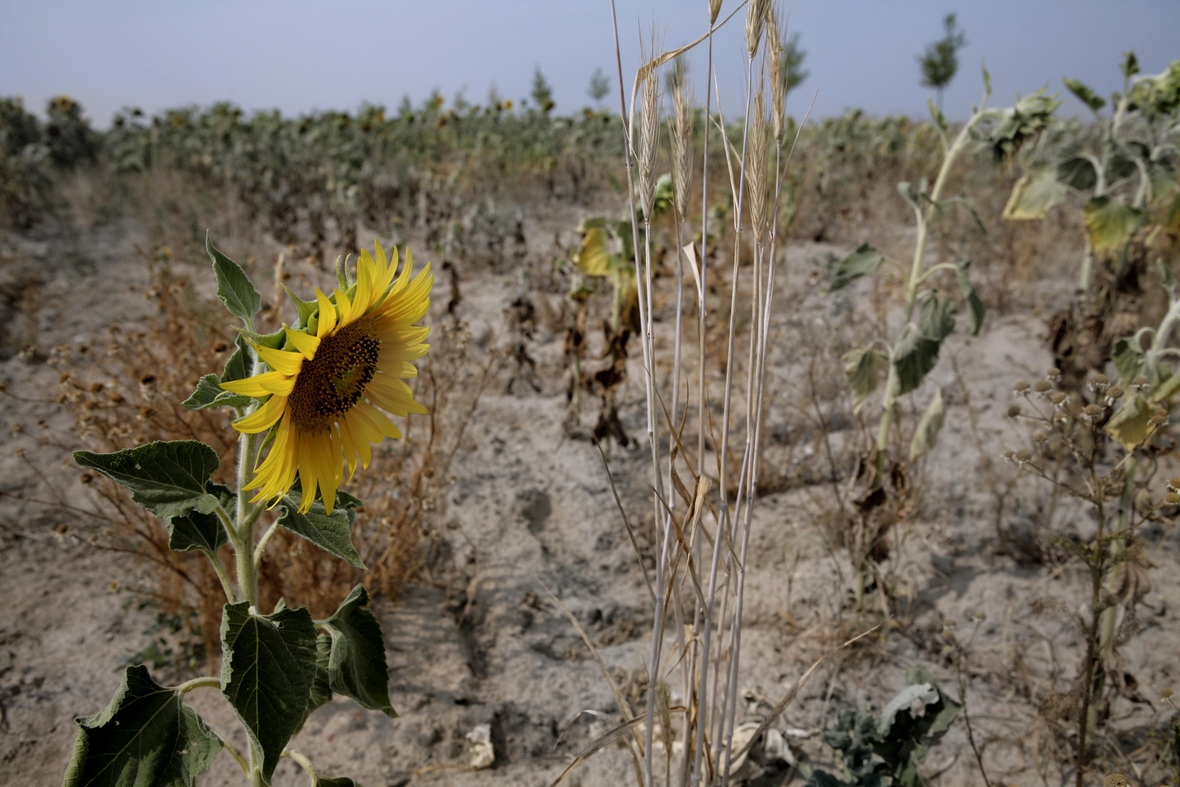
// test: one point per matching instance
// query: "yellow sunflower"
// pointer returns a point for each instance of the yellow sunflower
(324, 388)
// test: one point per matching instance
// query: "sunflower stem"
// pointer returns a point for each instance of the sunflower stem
(244, 537)
(262, 542)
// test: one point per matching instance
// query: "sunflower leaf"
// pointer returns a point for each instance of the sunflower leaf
(967, 290)
(926, 435)
(356, 665)
(167, 478)
(210, 394)
(862, 371)
(1131, 425)
(268, 669)
(238, 365)
(329, 532)
(915, 356)
(145, 736)
(321, 689)
(862, 262)
(194, 530)
(234, 287)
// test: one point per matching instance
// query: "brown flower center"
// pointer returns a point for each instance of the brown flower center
(329, 385)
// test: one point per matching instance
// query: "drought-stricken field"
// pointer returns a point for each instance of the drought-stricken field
(1006, 519)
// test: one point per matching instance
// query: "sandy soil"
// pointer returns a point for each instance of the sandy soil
(532, 508)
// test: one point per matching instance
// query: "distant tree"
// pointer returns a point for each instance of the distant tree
(599, 86)
(674, 77)
(793, 57)
(542, 93)
(940, 63)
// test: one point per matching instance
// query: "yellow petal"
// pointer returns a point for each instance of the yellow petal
(305, 343)
(327, 315)
(366, 276)
(344, 306)
(375, 422)
(386, 268)
(264, 417)
(281, 361)
(262, 384)
(392, 395)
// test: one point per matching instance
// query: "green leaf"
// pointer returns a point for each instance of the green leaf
(862, 370)
(1111, 223)
(1033, 195)
(967, 290)
(234, 287)
(356, 667)
(1166, 389)
(238, 365)
(1128, 359)
(195, 530)
(926, 435)
(937, 116)
(1077, 172)
(305, 309)
(146, 736)
(1130, 64)
(1018, 124)
(321, 689)
(210, 394)
(268, 668)
(1131, 426)
(911, 195)
(936, 316)
(329, 532)
(167, 478)
(1085, 94)
(913, 359)
(862, 262)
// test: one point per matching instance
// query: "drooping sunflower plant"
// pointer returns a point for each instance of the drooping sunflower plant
(310, 399)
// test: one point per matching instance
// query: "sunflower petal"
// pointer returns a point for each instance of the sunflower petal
(261, 385)
(366, 276)
(344, 306)
(392, 395)
(305, 343)
(264, 417)
(280, 360)
(327, 314)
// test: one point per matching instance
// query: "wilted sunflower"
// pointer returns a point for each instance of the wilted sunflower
(325, 387)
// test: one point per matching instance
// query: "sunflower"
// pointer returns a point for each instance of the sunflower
(327, 387)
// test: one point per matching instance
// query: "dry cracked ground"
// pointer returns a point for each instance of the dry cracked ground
(531, 512)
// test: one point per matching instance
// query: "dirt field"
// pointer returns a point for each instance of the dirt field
(530, 510)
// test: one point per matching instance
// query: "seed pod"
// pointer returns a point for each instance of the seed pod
(1053, 375)
(1040, 437)
(1114, 394)
(1059, 399)
(1171, 498)
(1043, 387)
(1021, 387)
(1024, 455)
(1013, 410)
(1141, 384)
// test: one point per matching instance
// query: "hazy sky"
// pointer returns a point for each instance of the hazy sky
(299, 55)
